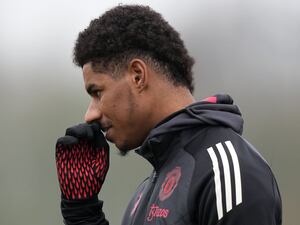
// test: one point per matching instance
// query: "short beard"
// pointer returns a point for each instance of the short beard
(123, 152)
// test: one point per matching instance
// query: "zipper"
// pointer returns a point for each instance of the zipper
(153, 184)
(147, 197)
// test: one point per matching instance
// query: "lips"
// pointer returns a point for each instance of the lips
(105, 129)
(106, 132)
(105, 126)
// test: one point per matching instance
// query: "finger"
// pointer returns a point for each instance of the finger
(82, 130)
(99, 139)
(67, 140)
(95, 126)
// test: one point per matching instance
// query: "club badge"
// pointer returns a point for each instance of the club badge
(170, 183)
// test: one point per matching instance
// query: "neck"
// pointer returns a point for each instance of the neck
(171, 101)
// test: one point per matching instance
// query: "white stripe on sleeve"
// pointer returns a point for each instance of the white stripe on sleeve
(237, 172)
(217, 179)
(227, 177)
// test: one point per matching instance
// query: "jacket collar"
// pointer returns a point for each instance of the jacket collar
(157, 149)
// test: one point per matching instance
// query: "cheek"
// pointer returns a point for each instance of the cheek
(120, 107)
(126, 116)
(124, 109)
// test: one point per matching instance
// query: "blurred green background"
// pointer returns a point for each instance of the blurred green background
(247, 48)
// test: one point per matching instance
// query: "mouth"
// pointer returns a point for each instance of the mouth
(106, 132)
(105, 129)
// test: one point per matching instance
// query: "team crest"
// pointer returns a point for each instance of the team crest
(170, 183)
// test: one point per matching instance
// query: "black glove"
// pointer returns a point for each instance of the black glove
(82, 161)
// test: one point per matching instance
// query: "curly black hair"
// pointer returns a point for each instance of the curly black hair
(129, 31)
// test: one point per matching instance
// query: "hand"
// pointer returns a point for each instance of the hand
(82, 161)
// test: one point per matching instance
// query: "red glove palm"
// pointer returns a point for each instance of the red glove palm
(82, 161)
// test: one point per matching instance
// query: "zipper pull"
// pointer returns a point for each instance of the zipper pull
(154, 177)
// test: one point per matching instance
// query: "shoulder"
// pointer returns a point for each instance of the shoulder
(221, 144)
(220, 148)
(229, 174)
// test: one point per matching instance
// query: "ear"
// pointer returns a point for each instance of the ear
(138, 71)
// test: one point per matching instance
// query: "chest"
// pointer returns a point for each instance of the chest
(163, 197)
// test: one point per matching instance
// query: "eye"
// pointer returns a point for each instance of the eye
(98, 94)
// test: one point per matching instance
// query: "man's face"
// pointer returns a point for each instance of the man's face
(116, 106)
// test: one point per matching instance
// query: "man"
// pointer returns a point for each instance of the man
(138, 74)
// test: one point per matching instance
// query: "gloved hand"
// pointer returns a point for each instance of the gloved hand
(82, 161)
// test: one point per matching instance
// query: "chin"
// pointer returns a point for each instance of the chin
(123, 153)
(124, 148)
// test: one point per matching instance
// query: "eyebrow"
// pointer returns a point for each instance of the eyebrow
(91, 88)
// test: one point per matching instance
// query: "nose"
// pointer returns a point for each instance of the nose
(93, 113)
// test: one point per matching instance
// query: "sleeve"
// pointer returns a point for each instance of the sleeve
(259, 211)
(237, 188)
(83, 212)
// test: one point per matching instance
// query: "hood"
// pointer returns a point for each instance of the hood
(217, 110)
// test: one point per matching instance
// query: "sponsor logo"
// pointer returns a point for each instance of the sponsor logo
(156, 212)
(170, 183)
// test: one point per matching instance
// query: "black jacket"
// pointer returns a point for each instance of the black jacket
(205, 173)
